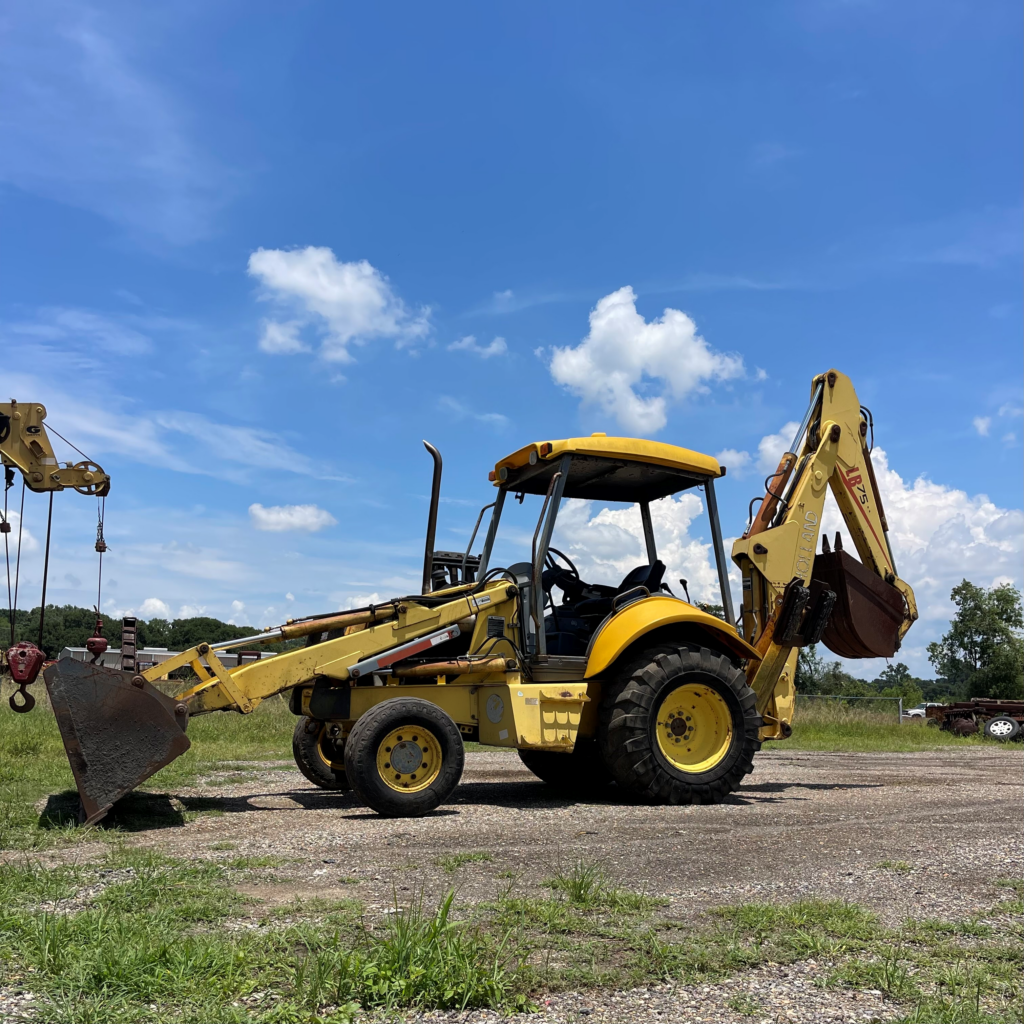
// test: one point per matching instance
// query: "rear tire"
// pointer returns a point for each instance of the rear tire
(404, 757)
(1002, 728)
(582, 773)
(680, 726)
(319, 758)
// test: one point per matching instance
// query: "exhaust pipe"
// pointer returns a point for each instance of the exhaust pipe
(435, 499)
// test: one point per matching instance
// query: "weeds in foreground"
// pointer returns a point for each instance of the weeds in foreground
(151, 945)
(418, 959)
(899, 867)
(585, 886)
(453, 861)
(143, 937)
(746, 1005)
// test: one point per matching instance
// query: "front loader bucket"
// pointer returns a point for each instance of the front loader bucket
(116, 734)
(868, 612)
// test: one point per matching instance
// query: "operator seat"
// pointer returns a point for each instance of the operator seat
(649, 576)
(570, 625)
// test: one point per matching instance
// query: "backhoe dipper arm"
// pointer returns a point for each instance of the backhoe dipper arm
(25, 445)
(777, 555)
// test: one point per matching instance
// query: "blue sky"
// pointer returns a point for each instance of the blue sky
(244, 245)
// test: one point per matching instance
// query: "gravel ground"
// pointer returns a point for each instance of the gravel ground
(806, 824)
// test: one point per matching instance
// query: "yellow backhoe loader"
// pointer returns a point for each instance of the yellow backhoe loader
(631, 685)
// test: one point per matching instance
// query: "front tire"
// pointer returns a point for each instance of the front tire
(680, 727)
(404, 757)
(319, 757)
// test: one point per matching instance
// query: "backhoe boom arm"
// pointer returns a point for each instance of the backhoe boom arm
(793, 596)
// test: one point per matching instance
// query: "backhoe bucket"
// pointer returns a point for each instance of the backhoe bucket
(868, 613)
(116, 733)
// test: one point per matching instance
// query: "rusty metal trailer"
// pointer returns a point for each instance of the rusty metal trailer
(998, 719)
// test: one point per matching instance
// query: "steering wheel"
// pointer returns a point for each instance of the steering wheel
(550, 562)
(567, 580)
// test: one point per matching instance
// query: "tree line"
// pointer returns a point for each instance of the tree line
(70, 626)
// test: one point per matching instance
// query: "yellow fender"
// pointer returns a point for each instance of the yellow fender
(640, 617)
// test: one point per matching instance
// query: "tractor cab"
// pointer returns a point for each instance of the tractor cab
(563, 612)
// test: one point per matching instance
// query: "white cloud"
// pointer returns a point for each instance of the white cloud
(282, 339)
(85, 123)
(191, 611)
(737, 462)
(289, 596)
(1011, 409)
(761, 374)
(359, 601)
(346, 303)
(469, 344)
(772, 447)
(154, 608)
(617, 363)
(280, 518)
(982, 424)
(605, 544)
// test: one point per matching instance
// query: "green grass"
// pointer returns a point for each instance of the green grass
(143, 937)
(153, 946)
(452, 862)
(830, 725)
(899, 867)
(745, 1005)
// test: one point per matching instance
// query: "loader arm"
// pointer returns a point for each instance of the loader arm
(25, 445)
(793, 596)
(386, 629)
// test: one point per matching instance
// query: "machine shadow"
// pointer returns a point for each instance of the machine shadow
(144, 812)
(779, 787)
(136, 812)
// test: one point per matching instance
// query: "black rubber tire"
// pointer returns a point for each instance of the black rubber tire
(310, 745)
(361, 757)
(1002, 722)
(582, 773)
(628, 740)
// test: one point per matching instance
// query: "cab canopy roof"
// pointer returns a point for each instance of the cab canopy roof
(606, 468)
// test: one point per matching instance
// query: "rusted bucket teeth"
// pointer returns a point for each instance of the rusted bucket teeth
(116, 734)
(868, 612)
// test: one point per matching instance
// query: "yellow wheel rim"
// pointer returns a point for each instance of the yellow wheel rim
(694, 727)
(409, 758)
(321, 741)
